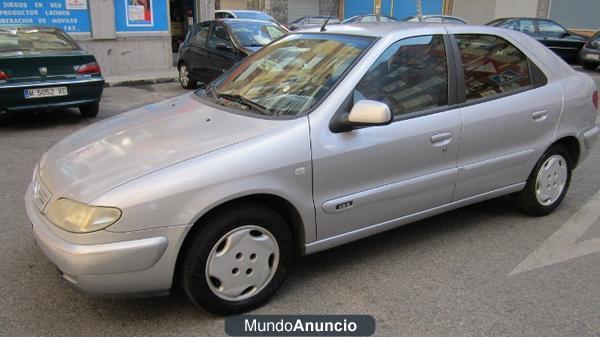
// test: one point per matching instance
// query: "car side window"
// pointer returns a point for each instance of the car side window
(491, 66)
(200, 35)
(549, 28)
(219, 36)
(223, 15)
(433, 19)
(525, 26)
(368, 18)
(410, 76)
(453, 21)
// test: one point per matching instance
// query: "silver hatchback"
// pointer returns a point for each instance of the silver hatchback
(316, 140)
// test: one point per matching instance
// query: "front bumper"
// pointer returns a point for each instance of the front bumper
(591, 56)
(106, 263)
(80, 92)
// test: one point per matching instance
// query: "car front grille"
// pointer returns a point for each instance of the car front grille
(41, 193)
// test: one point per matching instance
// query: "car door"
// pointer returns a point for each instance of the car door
(558, 39)
(196, 54)
(375, 175)
(510, 111)
(221, 51)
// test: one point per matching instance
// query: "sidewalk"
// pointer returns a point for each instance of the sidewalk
(142, 77)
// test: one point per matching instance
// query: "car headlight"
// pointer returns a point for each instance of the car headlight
(77, 217)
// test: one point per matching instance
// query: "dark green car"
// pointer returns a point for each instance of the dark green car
(42, 68)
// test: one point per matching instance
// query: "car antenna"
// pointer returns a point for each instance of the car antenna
(326, 21)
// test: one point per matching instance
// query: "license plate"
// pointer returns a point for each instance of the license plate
(594, 57)
(46, 92)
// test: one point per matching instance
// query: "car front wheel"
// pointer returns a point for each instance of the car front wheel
(548, 183)
(184, 77)
(589, 65)
(237, 260)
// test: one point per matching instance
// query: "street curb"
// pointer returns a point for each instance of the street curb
(140, 81)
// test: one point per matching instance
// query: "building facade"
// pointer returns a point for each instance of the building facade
(398, 9)
(142, 35)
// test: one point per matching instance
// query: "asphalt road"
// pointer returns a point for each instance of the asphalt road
(470, 272)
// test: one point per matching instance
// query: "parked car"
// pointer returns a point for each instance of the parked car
(212, 47)
(312, 21)
(318, 139)
(437, 19)
(590, 53)
(554, 36)
(366, 18)
(42, 68)
(243, 14)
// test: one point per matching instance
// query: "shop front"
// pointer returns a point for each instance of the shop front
(124, 35)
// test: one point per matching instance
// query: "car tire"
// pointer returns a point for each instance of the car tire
(589, 66)
(218, 275)
(184, 77)
(547, 184)
(90, 110)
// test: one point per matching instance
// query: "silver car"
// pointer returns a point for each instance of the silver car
(318, 139)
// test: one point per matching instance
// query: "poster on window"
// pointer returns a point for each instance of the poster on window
(139, 12)
(76, 4)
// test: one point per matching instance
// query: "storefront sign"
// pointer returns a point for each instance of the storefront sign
(139, 13)
(70, 15)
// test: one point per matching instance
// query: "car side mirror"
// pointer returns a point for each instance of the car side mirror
(565, 34)
(364, 113)
(223, 47)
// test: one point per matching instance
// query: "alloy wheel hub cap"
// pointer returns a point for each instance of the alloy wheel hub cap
(184, 75)
(551, 180)
(242, 263)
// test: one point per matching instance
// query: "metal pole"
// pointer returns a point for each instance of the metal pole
(377, 7)
(420, 10)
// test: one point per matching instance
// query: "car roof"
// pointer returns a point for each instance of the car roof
(385, 29)
(522, 18)
(374, 29)
(232, 20)
(239, 11)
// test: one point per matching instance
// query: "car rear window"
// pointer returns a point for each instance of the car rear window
(34, 39)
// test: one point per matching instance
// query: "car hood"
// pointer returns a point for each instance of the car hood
(120, 149)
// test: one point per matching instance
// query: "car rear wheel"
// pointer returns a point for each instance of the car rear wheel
(237, 260)
(589, 65)
(90, 110)
(184, 77)
(547, 185)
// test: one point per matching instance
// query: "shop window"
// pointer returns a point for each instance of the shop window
(410, 76)
(491, 66)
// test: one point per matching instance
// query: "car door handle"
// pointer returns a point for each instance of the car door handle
(441, 139)
(539, 115)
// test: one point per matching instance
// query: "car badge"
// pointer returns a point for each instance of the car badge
(43, 71)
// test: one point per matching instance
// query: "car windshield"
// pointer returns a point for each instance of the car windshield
(34, 39)
(253, 15)
(255, 34)
(289, 76)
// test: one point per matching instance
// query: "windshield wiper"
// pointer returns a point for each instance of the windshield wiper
(244, 101)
